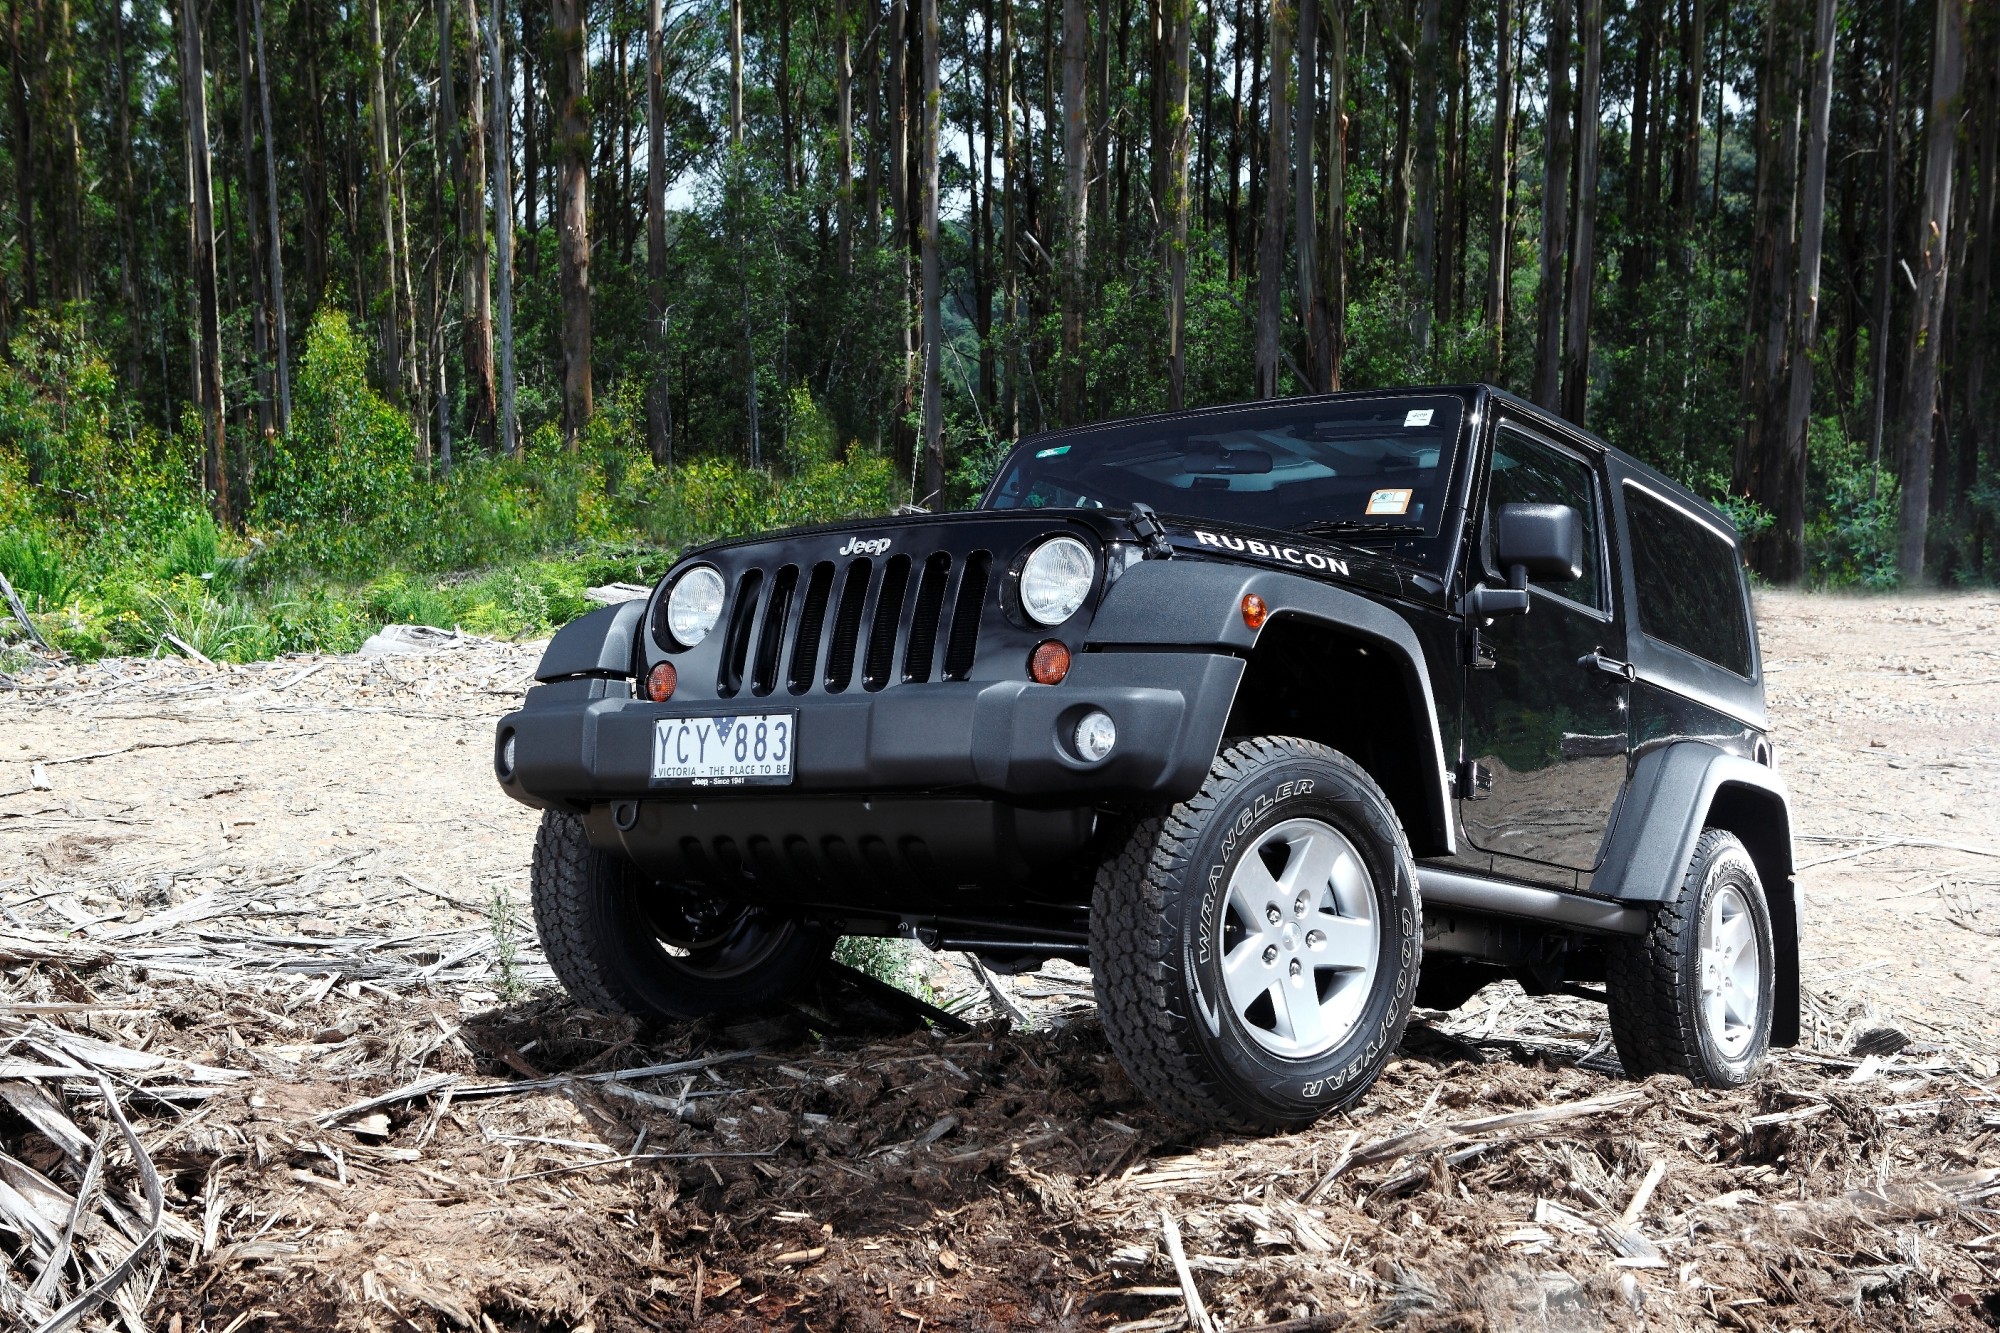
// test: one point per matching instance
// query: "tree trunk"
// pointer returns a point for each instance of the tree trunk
(1317, 343)
(1271, 241)
(1784, 551)
(379, 112)
(1010, 364)
(843, 122)
(128, 198)
(19, 82)
(1498, 246)
(1425, 177)
(1694, 44)
(933, 276)
(531, 138)
(503, 231)
(1885, 280)
(1334, 264)
(1179, 20)
(735, 72)
(1768, 308)
(279, 327)
(482, 400)
(1920, 385)
(450, 154)
(1582, 260)
(570, 100)
(897, 37)
(1555, 212)
(1076, 195)
(201, 236)
(659, 401)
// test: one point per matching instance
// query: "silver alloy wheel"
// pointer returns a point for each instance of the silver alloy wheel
(1732, 973)
(1301, 941)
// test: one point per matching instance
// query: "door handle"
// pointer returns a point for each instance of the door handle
(1595, 658)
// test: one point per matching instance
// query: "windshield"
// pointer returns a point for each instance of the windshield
(1379, 465)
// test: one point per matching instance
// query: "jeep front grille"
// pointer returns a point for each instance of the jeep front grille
(778, 624)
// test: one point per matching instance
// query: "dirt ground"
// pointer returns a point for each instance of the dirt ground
(237, 904)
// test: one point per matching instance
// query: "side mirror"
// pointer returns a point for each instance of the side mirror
(1539, 542)
(1543, 543)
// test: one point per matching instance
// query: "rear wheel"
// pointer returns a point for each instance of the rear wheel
(621, 944)
(1693, 995)
(1255, 950)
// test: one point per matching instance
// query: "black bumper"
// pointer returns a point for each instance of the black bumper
(586, 742)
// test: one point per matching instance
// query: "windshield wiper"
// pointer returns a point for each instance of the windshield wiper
(1350, 527)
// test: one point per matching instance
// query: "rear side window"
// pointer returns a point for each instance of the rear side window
(1690, 587)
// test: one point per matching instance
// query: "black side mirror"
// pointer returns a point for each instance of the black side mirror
(1539, 542)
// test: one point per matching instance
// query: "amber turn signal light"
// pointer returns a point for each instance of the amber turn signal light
(660, 682)
(1255, 611)
(1050, 663)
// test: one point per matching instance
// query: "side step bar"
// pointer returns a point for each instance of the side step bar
(1452, 888)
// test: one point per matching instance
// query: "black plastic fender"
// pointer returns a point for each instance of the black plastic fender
(597, 644)
(1190, 603)
(1675, 792)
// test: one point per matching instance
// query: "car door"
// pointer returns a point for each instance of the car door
(1545, 720)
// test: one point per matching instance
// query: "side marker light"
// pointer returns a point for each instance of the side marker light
(1255, 610)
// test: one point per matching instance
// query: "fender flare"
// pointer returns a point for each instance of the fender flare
(598, 644)
(1675, 792)
(1186, 603)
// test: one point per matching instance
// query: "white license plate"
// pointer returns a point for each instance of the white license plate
(743, 750)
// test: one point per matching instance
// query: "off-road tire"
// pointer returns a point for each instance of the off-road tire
(1155, 927)
(606, 952)
(1653, 981)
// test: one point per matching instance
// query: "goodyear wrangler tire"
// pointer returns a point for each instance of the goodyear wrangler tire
(1693, 995)
(621, 944)
(1256, 948)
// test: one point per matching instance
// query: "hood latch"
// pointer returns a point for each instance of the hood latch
(1152, 533)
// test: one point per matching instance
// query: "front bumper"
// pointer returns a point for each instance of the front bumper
(586, 742)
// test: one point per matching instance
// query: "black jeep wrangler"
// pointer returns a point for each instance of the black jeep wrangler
(1258, 710)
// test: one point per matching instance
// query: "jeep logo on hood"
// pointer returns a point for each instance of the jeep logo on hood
(864, 546)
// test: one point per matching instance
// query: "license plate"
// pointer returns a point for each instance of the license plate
(745, 750)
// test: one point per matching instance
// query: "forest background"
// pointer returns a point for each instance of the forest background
(319, 313)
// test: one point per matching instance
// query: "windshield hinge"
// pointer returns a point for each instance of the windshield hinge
(1152, 533)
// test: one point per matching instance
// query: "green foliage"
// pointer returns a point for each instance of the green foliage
(1851, 533)
(897, 962)
(36, 566)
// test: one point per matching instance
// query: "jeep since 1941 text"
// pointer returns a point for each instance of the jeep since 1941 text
(1283, 718)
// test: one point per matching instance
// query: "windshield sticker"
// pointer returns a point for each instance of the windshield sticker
(1056, 452)
(1417, 416)
(1284, 555)
(1390, 502)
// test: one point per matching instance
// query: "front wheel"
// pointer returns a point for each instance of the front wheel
(1256, 948)
(621, 944)
(1692, 996)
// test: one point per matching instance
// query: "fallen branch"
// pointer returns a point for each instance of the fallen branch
(1197, 1313)
(20, 612)
(1427, 1137)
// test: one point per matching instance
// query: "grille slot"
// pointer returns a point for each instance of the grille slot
(888, 619)
(771, 638)
(922, 649)
(847, 626)
(812, 626)
(963, 644)
(736, 648)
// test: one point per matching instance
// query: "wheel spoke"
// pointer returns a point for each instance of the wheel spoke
(1300, 1012)
(1739, 1008)
(1350, 944)
(1310, 868)
(1252, 890)
(1352, 888)
(1244, 974)
(1735, 933)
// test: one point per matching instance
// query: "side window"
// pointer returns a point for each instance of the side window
(1526, 471)
(1690, 587)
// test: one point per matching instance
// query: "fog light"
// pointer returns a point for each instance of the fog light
(660, 682)
(1050, 663)
(1095, 736)
(507, 756)
(1255, 610)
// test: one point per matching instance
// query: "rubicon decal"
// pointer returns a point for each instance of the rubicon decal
(1284, 555)
(864, 546)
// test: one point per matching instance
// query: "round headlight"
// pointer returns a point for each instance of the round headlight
(1056, 579)
(694, 605)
